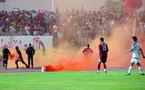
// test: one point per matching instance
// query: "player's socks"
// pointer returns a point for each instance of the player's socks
(104, 65)
(99, 65)
(140, 70)
(129, 70)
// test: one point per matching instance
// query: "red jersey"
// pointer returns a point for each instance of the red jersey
(87, 51)
(103, 48)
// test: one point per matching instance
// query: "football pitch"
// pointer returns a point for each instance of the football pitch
(83, 80)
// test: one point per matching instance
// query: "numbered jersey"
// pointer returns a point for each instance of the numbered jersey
(103, 48)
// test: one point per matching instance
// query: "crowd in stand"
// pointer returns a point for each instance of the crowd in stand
(83, 26)
(22, 22)
(75, 26)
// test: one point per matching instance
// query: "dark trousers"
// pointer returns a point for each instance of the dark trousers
(22, 61)
(5, 63)
(30, 61)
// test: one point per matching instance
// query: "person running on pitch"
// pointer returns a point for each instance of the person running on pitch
(20, 58)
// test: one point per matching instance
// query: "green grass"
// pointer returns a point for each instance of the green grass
(89, 80)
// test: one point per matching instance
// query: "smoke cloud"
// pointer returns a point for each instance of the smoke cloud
(70, 58)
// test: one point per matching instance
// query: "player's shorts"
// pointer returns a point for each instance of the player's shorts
(135, 60)
(103, 59)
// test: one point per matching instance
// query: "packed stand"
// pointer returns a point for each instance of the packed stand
(22, 22)
(75, 26)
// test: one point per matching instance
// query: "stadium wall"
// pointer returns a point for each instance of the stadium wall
(2, 5)
(79, 4)
(52, 4)
(23, 41)
(40, 43)
(27, 5)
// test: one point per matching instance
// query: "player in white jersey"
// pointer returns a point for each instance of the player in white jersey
(136, 49)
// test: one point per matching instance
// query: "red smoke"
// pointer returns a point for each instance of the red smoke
(118, 57)
(119, 43)
(143, 47)
(74, 64)
(132, 5)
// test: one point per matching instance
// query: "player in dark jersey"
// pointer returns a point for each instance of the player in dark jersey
(6, 54)
(103, 50)
(20, 58)
(88, 51)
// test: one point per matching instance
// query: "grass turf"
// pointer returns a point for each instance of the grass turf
(89, 80)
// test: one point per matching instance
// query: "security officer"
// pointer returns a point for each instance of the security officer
(30, 51)
(6, 54)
